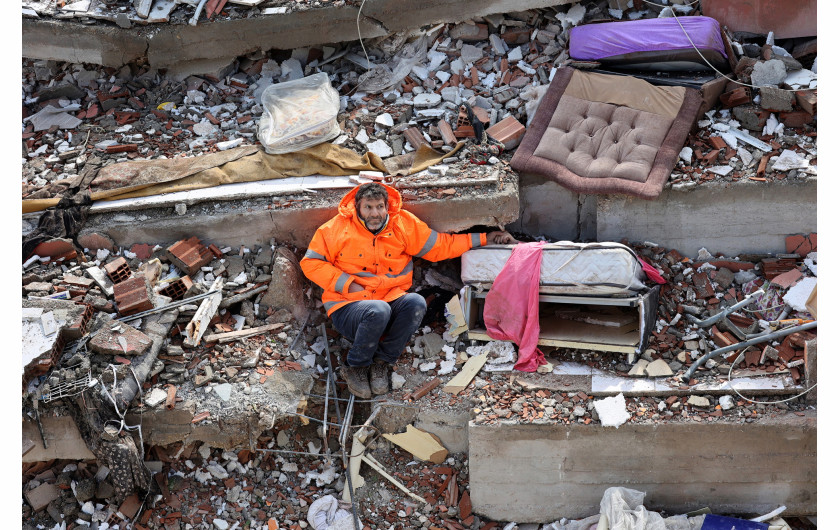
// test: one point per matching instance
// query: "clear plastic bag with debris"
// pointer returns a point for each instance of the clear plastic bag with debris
(325, 514)
(299, 114)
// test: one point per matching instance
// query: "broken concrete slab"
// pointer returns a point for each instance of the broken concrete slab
(287, 285)
(118, 338)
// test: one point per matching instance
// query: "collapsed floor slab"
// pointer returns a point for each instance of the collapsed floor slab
(540, 473)
(188, 48)
(257, 220)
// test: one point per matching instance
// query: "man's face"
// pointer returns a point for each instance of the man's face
(373, 212)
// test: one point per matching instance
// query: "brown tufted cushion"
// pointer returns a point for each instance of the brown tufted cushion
(601, 140)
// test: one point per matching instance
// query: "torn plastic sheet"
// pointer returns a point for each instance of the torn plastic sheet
(622, 509)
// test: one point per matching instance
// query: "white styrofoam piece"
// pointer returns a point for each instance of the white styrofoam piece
(799, 293)
(612, 410)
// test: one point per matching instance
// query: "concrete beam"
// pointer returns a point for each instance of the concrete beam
(177, 46)
(744, 217)
(255, 221)
(540, 473)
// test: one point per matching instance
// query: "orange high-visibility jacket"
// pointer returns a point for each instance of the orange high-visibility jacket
(343, 250)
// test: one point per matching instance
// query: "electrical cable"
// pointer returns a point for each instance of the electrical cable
(729, 380)
(359, 29)
(706, 60)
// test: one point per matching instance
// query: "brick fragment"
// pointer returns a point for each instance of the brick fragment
(807, 100)
(189, 255)
(121, 148)
(415, 137)
(177, 288)
(132, 296)
(739, 96)
(508, 131)
(117, 270)
(446, 133)
(717, 142)
(796, 119)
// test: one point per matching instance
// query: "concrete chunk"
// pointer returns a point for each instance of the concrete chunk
(658, 368)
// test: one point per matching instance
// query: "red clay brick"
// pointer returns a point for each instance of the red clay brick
(796, 119)
(508, 131)
(739, 96)
(415, 137)
(117, 270)
(189, 255)
(132, 296)
(807, 100)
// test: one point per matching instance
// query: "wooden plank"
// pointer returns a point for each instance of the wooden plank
(466, 375)
(198, 325)
(421, 444)
(233, 335)
(481, 334)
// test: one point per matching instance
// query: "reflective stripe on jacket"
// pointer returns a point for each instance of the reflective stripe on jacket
(344, 251)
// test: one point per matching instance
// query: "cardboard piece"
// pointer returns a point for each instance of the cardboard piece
(466, 375)
(63, 437)
(455, 317)
(423, 445)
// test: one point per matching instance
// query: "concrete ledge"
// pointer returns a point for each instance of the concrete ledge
(732, 218)
(255, 221)
(744, 217)
(540, 473)
(176, 46)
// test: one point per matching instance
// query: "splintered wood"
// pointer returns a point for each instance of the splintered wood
(423, 445)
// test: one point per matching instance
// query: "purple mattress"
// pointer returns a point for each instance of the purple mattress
(653, 43)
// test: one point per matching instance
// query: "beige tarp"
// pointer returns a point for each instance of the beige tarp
(143, 178)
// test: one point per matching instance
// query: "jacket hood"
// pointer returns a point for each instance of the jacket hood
(347, 206)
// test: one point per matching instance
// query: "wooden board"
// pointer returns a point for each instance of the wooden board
(481, 334)
(466, 375)
(421, 444)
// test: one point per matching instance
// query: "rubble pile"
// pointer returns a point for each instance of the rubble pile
(703, 287)
(172, 12)
(398, 93)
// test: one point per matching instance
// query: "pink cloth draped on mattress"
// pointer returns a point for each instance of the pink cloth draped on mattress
(511, 309)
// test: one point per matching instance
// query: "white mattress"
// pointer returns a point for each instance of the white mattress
(567, 268)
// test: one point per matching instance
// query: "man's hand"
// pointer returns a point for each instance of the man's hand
(354, 287)
(500, 238)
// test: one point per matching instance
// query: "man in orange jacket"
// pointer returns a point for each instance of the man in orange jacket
(362, 259)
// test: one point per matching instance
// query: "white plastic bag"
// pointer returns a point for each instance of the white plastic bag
(324, 514)
(298, 114)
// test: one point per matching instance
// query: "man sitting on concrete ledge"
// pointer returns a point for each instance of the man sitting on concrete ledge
(362, 258)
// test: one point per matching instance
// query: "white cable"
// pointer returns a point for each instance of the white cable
(729, 378)
(710, 64)
(359, 29)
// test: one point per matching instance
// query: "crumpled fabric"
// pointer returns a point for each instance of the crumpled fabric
(324, 514)
(651, 273)
(511, 309)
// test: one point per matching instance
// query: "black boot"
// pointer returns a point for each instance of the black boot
(357, 380)
(380, 373)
